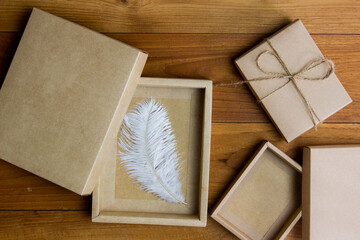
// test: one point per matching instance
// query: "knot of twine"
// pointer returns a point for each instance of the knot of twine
(289, 77)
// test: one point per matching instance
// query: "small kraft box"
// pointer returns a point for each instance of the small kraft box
(294, 83)
(63, 99)
(119, 199)
(264, 201)
(331, 192)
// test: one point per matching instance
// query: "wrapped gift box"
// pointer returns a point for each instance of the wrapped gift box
(264, 201)
(62, 104)
(331, 192)
(294, 104)
(118, 199)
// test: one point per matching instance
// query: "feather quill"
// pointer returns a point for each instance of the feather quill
(148, 150)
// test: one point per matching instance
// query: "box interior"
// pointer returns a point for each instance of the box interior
(119, 195)
(265, 200)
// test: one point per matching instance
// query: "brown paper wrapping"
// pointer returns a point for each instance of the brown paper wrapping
(286, 107)
(331, 192)
(65, 94)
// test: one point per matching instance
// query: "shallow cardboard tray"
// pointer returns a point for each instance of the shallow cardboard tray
(264, 201)
(117, 198)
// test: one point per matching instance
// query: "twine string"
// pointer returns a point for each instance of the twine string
(294, 78)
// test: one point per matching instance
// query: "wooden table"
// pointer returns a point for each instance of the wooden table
(186, 40)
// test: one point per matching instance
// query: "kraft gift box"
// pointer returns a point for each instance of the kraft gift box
(331, 192)
(264, 201)
(63, 98)
(294, 88)
(62, 104)
(117, 198)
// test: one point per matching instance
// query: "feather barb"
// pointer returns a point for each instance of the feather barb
(148, 150)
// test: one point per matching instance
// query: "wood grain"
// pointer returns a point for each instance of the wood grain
(232, 145)
(211, 56)
(22, 190)
(197, 16)
(24, 225)
(186, 39)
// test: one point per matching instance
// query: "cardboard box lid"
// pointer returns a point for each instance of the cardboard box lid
(66, 91)
(285, 106)
(331, 192)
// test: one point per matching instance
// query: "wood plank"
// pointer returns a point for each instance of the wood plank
(197, 39)
(211, 56)
(198, 16)
(26, 225)
(232, 145)
(22, 190)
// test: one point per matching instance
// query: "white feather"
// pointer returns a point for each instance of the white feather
(148, 150)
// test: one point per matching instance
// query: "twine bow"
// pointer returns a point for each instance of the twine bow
(290, 77)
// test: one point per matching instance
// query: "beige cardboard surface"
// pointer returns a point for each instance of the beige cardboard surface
(285, 107)
(108, 206)
(265, 194)
(65, 92)
(331, 193)
(120, 194)
(250, 204)
(264, 201)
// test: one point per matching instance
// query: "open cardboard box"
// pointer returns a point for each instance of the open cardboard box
(264, 201)
(117, 198)
(61, 106)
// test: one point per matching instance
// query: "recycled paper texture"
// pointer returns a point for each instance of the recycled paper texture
(285, 106)
(117, 197)
(331, 192)
(119, 192)
(65, 93)
(259, 204)
(264, 201)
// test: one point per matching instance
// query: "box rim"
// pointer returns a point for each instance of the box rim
(295, 216)
(205, 158)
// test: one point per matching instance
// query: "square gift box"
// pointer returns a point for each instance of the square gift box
(292, 80)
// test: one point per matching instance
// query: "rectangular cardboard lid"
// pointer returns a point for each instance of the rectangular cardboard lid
(330, 192)
(64, 95)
